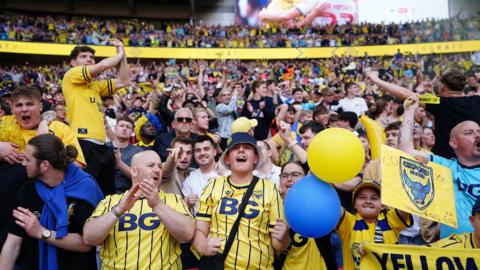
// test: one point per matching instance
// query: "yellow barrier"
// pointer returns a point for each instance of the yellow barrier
(245, 54)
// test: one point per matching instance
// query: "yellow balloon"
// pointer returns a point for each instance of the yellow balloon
(335, 155)
(375, 134)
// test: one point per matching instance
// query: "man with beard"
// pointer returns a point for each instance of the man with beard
(204, 149)
(15, 131)
(177, 166)
(465, 142)
(146, 137)
(64, 196)
(124, 151)
(143, 227)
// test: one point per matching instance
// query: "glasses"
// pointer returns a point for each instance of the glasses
(184, 119)
(292, 174)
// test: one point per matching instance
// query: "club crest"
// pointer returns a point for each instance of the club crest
(257, 194)
(417, 182)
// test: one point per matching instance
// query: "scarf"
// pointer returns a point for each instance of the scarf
(76, 185)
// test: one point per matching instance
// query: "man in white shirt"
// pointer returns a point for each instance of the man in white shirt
(353, 102)
(266, 169)
(204, 150)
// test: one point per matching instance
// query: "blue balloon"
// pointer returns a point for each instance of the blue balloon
(312, 207)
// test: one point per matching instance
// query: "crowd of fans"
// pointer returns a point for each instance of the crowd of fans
(409, 70)
(137, 32)
(202, 131)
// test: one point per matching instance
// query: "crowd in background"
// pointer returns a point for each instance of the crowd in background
(193, 113)
(143, 33)
(405, 69)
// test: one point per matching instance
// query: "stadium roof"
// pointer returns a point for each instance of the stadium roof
(155, 9)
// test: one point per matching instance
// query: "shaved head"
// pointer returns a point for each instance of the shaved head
(146, 165)
(459, 128)
(465, 142)
(144, 156)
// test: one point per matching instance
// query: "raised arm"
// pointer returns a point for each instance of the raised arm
(279, 16)
(395, 90)
(406, 130)
(123, 78)
(201, 89)
(110, 61)
(282, 111)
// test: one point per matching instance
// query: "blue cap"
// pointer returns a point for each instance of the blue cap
(476, 207)
(241, 138)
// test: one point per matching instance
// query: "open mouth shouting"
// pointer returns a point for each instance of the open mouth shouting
(477, 144)
(241, 158)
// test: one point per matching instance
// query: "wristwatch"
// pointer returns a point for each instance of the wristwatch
(46, 234)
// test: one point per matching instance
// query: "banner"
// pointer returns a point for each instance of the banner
(386, 257)
(413, 187)
(245, 53)
(331, 12)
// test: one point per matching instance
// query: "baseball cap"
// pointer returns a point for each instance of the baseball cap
(366, 183)
(241, 138)
(243, 124)
(476, 207)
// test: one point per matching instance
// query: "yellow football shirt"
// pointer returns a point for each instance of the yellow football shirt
(63, 132)
(353, 231)
(84, 103)
(460, 241)
(11, 131)
(139, 240)
(252, 247)
(303, 255)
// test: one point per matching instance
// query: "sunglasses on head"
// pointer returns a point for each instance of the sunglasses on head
(184, 119)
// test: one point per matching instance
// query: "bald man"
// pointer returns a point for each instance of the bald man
(182, 125)
(141, 228)
(465, 167)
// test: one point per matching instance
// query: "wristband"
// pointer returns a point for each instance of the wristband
(115, 211)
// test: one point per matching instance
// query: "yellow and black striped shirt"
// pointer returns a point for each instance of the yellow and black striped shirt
(460, 241)
(252, 247)
(84, 103)
(303, 255)
(139, 240)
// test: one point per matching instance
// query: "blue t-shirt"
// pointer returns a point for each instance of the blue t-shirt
(466, 186)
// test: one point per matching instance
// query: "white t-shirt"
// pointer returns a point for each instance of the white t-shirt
(274, 175)
(413, 230)
(195, 183)
(356, 105)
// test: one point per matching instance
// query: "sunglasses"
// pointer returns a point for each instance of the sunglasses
(184, 119)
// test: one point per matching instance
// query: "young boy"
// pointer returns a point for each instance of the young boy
(371, 223)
